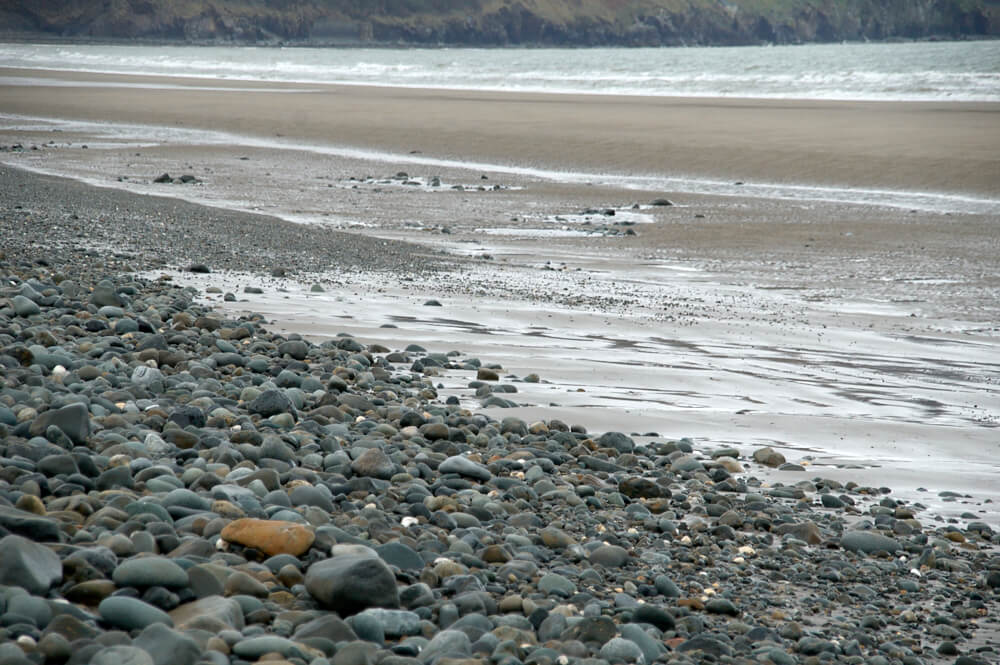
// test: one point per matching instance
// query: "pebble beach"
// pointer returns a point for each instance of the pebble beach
(180, 487)
(407, 439)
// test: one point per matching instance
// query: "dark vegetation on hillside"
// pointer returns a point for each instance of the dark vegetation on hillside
(501, 22)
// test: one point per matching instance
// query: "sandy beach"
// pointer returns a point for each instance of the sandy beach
(918, 146)
(535, 363)
(867, 287)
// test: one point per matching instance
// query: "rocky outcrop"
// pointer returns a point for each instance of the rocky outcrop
(504, 22)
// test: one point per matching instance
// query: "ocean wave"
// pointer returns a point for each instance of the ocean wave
(957, 71)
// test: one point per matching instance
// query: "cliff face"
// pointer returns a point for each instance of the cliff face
(502, 22)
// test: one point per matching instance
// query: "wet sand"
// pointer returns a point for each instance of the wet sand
(879, 407)
(951, 147)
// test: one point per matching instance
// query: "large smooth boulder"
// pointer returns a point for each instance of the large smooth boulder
(150, 571)
(869, 542)
(768, 457)
(617, 440)
(270, 403)
(374, 463)
(72, 419)
(463, 466)
(352, 582)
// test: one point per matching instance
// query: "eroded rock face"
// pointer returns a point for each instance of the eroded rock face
(557, 22)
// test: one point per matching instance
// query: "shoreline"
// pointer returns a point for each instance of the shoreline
(634, 390)
(802, 265)
(566, 530)
(923, 146)
(190, 80)
(864, 382)
(713, 429)
(792, 193)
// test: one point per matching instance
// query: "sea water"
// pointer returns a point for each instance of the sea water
(923, 71)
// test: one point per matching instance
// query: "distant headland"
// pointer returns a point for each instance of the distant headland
(500, 22)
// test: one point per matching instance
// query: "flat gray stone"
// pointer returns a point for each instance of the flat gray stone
(255, 647)
(591, 629)
(305, 495)
(722, 606)
(357, 652)
(131, 613)
(868, 542)
(104, 294)
(400, 555)
(452, 643)
(328, 626)
(35, 608)
(557, 585)
(72, 419)
(463, 466)
(650, 648)
(374, 463)
(270, 403)
(706, 644)
(616, 440)
(395, 623)
(24, 306)
(653, 615)
(211, 611)
(54, 465)
(609, 556)
(168, 646)
(121, 655)
(144, 376)
(686, 464)
(28, 565)
(116, 476)
(620, 650)
(150, 571)
(295, 348)
(185, 498)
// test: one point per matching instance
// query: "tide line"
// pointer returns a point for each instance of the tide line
(939, 202)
